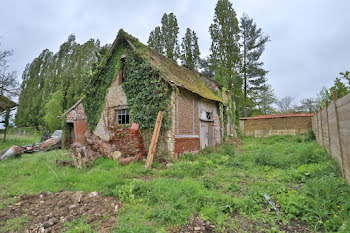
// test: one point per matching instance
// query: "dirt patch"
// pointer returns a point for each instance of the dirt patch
(197, 225)
(47, 212)
(240, 223)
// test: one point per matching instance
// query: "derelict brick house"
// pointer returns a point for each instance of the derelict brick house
(193, 109)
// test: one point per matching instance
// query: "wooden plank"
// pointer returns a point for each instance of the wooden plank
(152, 147)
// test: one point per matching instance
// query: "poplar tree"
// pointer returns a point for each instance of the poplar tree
(190, 50)
(225, 52)
(170, 31)
(164, 39)
(254, 75)
(155, 40)
(67, 71)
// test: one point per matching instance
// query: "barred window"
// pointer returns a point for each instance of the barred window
(123, 116)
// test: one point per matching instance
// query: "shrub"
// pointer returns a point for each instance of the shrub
(309, 135)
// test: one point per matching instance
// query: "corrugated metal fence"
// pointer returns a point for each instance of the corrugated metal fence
(331, 126)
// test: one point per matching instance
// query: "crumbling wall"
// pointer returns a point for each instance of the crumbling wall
(115, 97)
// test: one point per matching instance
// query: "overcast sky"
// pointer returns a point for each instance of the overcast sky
(310, 39)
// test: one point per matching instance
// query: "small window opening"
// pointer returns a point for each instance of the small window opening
(209, 116)
(123, 116)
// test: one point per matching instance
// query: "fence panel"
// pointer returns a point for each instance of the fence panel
(332, 130)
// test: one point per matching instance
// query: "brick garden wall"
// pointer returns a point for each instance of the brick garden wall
(275, 126)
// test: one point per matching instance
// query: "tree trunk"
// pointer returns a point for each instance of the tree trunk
(7, 118)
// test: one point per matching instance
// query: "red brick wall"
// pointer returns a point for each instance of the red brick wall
(187, 114)
(183, 145)
(76, 114)
(80, 127)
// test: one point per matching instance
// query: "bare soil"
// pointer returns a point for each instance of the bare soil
(197, 225)
(48, 212)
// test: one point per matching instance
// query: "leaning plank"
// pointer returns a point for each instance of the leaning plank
(152, 147)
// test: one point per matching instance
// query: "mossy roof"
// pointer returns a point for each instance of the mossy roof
(170, 70)
(6, 103)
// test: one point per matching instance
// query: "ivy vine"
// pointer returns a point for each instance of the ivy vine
(147, 93)
(102, 78)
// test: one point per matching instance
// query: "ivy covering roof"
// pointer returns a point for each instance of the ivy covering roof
(170, 70)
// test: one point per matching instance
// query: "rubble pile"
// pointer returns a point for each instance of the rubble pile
(126, 146)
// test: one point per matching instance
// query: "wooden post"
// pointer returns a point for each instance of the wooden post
(152, 147)
(329, 135)
(335, 98)
(321, 127)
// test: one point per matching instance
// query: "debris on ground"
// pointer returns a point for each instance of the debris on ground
(53, 143)
(126, 146)
(48, 212)
(197, 225)
(274, 206)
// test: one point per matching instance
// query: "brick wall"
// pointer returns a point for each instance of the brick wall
(183, 145)
(187, 122)
(275, 126)
(76, 114)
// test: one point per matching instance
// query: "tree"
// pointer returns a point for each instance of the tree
(67, 70)
(205, 67)
(155, 40)
(190, 50)
(170, 30)
(225, 52)
(253, 45)
(9, 85)
(308, 105)
(285, 104)
(264, 100)
(52, 110)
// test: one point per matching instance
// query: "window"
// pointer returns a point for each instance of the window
(206, 116)
(123, 116)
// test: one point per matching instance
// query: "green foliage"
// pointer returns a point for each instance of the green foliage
(253, 45)
(341, 85)
(155, 40)
(77, 226)
(190, 50)
(225, 53)
(164, 39)
(310, 135)
(68, 71)
(19, 140)
(170, 30)
(53, 109)
(15, 224)
(220, 185)
(101, 80)
(147, 93)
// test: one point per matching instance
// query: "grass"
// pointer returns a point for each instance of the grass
(18, 140)
(219, 184)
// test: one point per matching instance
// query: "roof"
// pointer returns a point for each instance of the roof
(277, 116)
(170, 70)
(6, 103)
(71, 108)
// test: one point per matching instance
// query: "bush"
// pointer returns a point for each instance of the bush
(309, 135)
